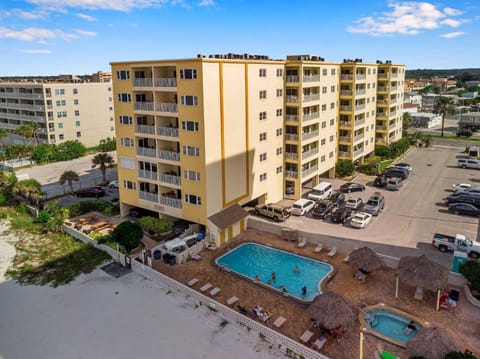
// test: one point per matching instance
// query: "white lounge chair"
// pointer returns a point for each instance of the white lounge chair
(192, 282)
(206, 287)
(332, 252)
(215, 291)
(232, 300)
(319, 343)
(306, 336)
(318, 248)
(302, 243)
(279, 322)
(418, 293)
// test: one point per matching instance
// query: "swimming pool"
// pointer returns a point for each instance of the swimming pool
(252, 259)
(389, 324)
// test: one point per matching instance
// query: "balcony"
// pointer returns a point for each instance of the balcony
(291, 137)
(346, 92)
(15, 116)
(291, 174)
(309, 154)
(312, 97)
(393, 88)
(148, 196)
(171, 202)
(382, 75)
(309, 171)
(357, 153)
(381, 115)
(22, 106)
(345, 108)
(145, 129)
(394, 75)
(360, 107)
(348, 77)
(344, 154)
(292, 79)
(344, 139)
(345, 123)
(360, 92)
(143, 106)
(381, 141)
(169, 155)
(360, 77)
(358, 137)
(310, 116)
(166, 107)
(393, 101)
(38, 96)
(292, 99)
(150, 175)
(291, 118)
(291, 156)
(167, 131)
(382, 89)
(146, 152)
(393, 113)
(311, 78)
(166, 82)
(145, 82)
(171, 179)
(359, 122)
(308, 135)
(380, 128)
(392, 126)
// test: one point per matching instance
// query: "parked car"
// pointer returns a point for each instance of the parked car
(461, 186)
(464, 208)
(396, 172)
(115, 201)
(302, 207)
(471, 190)
(113, 184)
(352, 187)
(380, 181)
(179, 226)
(464, 133)
(96, 191)
(360, 220)
(354, 203)
(458, 242)
(394, 184)
(341, 214)
(323, 190)
(464, 198)
(402, 165)
(375, 204)
(322, 209)
(468, 163)
(337, 198)
(273, 211)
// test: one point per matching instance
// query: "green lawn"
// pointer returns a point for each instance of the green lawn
(385, 164)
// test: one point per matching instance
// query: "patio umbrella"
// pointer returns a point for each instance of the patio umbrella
(430, 343)
(331, 310)
(365, 259)
(422, 272)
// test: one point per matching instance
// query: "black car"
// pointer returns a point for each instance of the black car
(464, 208)
(396, 172)
(340, 214)
(322, 209)
(352, 187)
(464, 198)
(337, 198)
(380, 181)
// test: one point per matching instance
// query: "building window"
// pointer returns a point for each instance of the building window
(263, 115)
(263, 177)
(262, 72)
(127, 162)
(189, 100)
(279, 169)
(191, 151)
(59, 92)
(324, 124)
(279, 72)
(75, 102)
(60, 103)
(374, 71)
(373, 85)
(79, 134)
(332, 105)
(324, 89)
(332, 122)
(52, 137)
(369, 71)
(126, 142)
(190, 126)
(332, 137)
(77, 123)
(368, 86)
(322, 159)
(125, 120)
(129, 185)
(77, 113)
(263, 136)
(60, 125)
(279, 112)
(279, 151)
(324, 107)
(75, 91)
(61, 136)
(279, 131)
(123, 75)
(263, 157)
(192, 199)
(188, 74)
(324, 72)
(62, 114)
(323, 141)
(279, 92)
(332, 88)
(332, 72)
(191, 175)
(330, 155)
(124, 97)
(263, 94)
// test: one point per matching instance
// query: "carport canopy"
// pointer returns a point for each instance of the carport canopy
(228, 216)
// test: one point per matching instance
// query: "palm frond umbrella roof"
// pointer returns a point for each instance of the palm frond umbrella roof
(331, 310)
(422, 272)
(430, 343)
(365, 259)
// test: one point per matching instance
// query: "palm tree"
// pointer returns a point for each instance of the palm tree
(34, 127)
(442, 107)
(3, 134)
(104, 161)
(30, 189)
(25, 131)
(69, 177)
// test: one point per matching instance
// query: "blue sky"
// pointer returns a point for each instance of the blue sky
(49, 37)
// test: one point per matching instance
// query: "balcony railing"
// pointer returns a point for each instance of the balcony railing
(291, 174)
(167, 131)
(22, 106)
(148, 196)
(147, 174)
(310, 116)
(146, 129)
(38, 96)
(291, 117)
(145, 82)
(345, 123)
(346, 77)
(168, 155)
(360, 92)
(360, 107)
(166, 107)
(311, 78)
(292, 78)
(291, 98)
(345, 108)
(344, 138)
(291, 137)
(344, 154)
(15, 116)
(358, 137)
(393, 88)
(166, 82)
(172, 179)
(381, 128)
(311, 97)
(357, 152)
(310, 134)
(171, 202)
(360, 76)
(393, 101)
(382, 75)
(394, 75)
(309, 154)
(143, 106)
(393, 113)
(380, 140)
(359, 122)
(291, 155)
(147, 152)
(391, 126)
(381, 115)
(346, 92)
(309, 171)
(382, 89)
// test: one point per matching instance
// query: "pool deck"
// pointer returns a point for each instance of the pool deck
(381, 306)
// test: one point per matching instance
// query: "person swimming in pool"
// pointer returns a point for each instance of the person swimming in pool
(304, 292)
(296, 269)
(274, 276)
(411, 326)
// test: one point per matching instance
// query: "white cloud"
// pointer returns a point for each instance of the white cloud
(35, 51)
(86, 17)
(451, 35)
(407, 18)
(206, 3)
(26, 15)
(118, 5)
(86, 33)
(40, 35)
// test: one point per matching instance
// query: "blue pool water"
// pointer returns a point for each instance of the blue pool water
(251, 259)
(390, 324)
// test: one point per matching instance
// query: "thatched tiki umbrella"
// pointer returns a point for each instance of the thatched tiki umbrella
(430, 343)
(365, 259)
(421, 272)
(331, 311)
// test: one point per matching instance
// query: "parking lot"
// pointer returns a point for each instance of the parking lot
(412, 214)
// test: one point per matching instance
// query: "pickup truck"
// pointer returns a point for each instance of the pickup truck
(458, 242)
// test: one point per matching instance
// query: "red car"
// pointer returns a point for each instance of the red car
(96, 191)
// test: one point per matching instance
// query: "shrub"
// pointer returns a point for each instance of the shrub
(128, 234)
(154, 225)
(383, 151)
(460, 355)
(471, 271)
(22, 209)
(345, 168)
(108, 144)
(43, 217)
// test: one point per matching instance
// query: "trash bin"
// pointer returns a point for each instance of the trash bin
(157, 254)
(458, 258)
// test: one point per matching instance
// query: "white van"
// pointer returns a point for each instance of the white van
(323, 190)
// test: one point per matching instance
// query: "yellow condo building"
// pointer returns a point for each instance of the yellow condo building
(198, 138)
